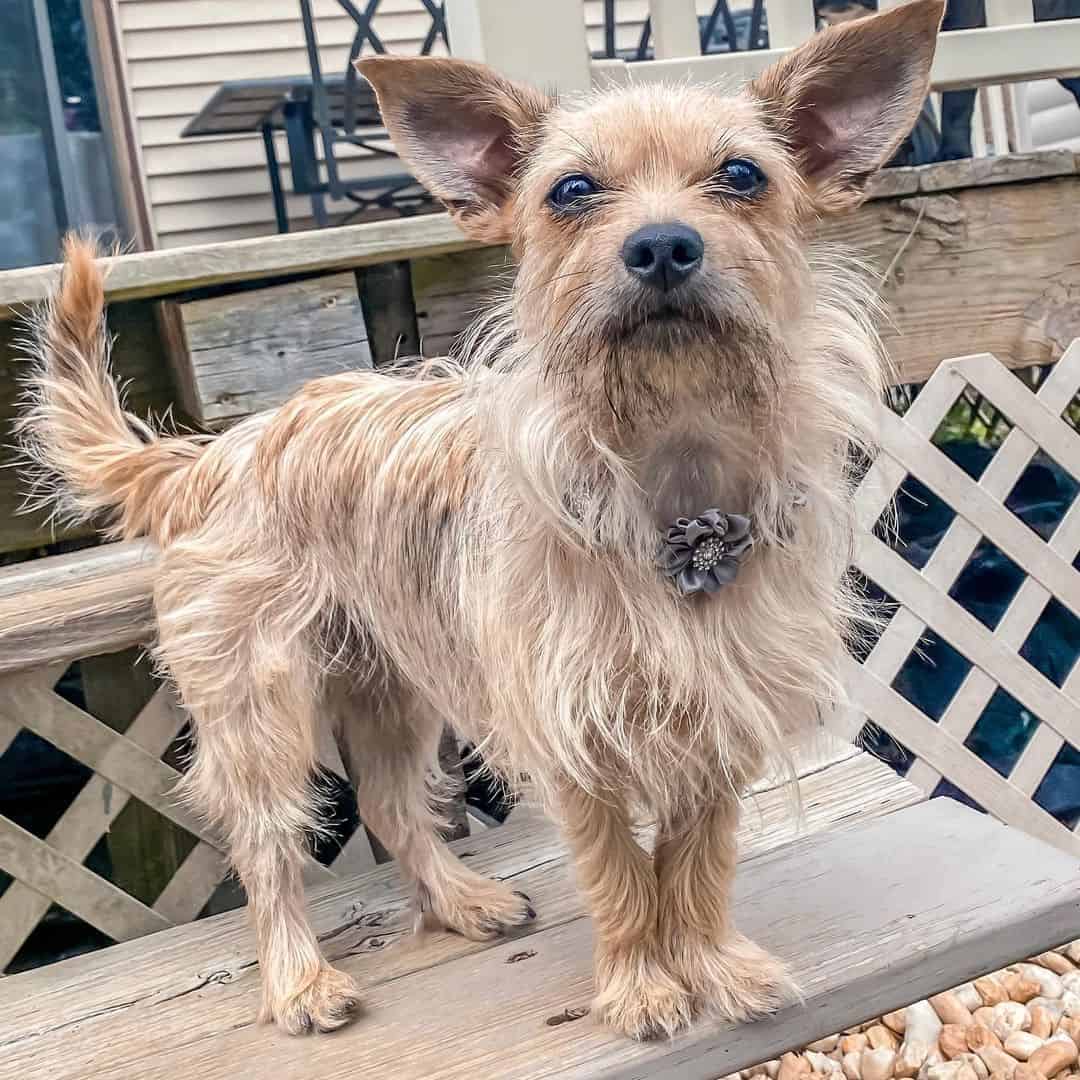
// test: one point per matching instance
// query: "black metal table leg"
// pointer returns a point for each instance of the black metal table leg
(274, 169)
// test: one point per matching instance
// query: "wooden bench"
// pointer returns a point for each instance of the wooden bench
(885, 899)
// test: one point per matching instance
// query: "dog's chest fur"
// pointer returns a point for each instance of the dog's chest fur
(673, 697)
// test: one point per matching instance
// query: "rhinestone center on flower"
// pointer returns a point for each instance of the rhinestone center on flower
(708, 553)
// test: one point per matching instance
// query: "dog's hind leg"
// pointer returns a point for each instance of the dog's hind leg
(389, 743)
(247, 673)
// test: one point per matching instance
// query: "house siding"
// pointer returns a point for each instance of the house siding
(177, 52)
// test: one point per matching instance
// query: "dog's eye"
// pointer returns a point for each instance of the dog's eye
(571, 192)
(742, 177)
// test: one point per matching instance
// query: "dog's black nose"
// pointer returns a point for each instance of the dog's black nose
(663, 256)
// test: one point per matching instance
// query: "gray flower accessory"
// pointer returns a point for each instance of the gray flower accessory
(703, 554)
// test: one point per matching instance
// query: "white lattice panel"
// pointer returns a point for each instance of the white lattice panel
(124, 766)
(924, 600)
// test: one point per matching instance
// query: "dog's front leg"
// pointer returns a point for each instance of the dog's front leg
(728, 975)
(636, 995)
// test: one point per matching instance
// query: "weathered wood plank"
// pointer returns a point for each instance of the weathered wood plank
(248, 351)
(188, 986)
(864, 933)
(59, 572)
(988, 269)
(71, 606)
(999, 169)
(452, 290)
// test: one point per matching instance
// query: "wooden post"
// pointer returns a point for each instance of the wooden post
(541, 43)
(675, 29)
(791, 22)
(386, 299)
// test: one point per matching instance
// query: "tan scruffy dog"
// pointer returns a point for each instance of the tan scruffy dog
(499, 545)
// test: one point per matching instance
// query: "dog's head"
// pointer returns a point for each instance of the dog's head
(658, 228)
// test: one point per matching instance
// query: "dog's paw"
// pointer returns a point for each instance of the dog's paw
(639, 997)
(736, 980)
(328, 1002)
(478, 908)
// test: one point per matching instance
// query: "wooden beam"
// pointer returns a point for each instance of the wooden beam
(979, 269)
(104, 40)
(163, 273)
(71, 606)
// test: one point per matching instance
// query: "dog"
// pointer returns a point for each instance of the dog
(609, 546)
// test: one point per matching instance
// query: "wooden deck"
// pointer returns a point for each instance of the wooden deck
(889, 901)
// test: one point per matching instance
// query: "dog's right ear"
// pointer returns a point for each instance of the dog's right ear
(464, 130)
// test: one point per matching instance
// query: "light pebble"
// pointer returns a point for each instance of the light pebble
(1008, 1017)
(851, 1064)
(1054, 1006)
(819, 1063)
(1049, 983)
(977, 1064)
(952, 1070)
(1022, 1044)
(968, 996)
(877, 1064)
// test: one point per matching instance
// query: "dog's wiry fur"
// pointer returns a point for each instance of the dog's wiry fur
(477, 542)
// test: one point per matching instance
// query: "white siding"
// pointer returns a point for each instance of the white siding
(1054, 116)
(179, 51)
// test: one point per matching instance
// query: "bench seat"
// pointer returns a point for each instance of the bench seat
(881, 899)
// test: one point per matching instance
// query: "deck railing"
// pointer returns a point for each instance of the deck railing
(547, 44)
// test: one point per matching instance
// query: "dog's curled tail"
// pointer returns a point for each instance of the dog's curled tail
(89, 458)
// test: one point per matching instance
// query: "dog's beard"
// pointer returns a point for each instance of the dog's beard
(644, 358)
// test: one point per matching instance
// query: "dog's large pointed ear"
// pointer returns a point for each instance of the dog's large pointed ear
(464, 130)
(847, 98)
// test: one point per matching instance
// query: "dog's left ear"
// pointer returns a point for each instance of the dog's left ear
(464, 130)
(847, 98)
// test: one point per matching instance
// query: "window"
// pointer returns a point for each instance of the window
(54, 164)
